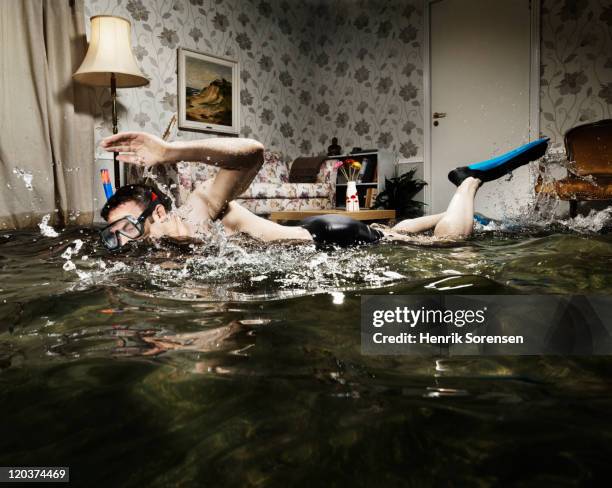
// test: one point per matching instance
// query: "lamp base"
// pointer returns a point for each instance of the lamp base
(116, 168)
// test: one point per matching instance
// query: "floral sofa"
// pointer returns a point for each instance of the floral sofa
(270, 190)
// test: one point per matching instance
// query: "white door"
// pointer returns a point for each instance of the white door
(480, 79)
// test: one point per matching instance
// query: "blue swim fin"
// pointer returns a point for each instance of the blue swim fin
(481, 219)
(494, 168)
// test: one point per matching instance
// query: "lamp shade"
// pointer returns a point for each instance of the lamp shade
(110, 51)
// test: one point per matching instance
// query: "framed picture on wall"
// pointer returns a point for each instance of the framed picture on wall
(208, 93)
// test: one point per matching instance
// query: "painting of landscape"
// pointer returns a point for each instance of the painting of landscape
(208, 92)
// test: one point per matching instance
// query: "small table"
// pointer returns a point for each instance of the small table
(366, 214)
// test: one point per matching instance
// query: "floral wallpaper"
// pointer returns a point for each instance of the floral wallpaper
(367, 61)
(314, 69)
(309, 70)
(576, 65)
(261, 35)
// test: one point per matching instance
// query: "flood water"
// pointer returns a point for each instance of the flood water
(241, 366)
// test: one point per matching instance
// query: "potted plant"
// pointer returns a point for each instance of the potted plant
(399, 195)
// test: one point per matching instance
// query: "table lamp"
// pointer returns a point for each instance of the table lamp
(110, 62)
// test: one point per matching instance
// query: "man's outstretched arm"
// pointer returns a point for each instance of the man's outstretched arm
(148, 150)
(239, 160)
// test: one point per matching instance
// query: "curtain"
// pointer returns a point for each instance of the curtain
(46, 123)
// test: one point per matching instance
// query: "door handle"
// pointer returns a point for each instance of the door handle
(439, 115)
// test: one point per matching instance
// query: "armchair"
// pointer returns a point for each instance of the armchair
(589, 150)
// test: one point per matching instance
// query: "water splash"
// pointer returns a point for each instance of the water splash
(69, 252)
(595, 221)
(45, 229)
(232, 270)
(26, 176)
(288, 268)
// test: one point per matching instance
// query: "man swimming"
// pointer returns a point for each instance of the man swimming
(136, 212)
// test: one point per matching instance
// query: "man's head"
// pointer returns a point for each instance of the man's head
(134, 212)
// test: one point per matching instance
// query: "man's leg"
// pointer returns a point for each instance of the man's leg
(458, 220)
(420, 224)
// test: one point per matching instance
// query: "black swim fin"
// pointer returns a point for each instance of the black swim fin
(495, 168)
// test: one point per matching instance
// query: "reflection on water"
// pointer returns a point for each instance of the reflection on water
(234, 365)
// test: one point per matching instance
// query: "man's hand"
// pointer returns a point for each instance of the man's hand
(138, 148)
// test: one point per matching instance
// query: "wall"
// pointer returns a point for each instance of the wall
(367, 62)
(576, 81)
(261, 35)
(349, 68)
(309, 71)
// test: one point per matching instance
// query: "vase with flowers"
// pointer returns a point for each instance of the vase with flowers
(350, 169)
